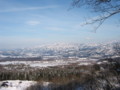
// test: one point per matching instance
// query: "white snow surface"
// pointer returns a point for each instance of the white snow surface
(16, 84)
(47, 63)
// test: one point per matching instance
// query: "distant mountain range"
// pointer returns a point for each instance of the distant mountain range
(62, 50)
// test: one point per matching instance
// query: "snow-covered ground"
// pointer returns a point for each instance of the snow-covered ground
(52, 63)
(15, 84)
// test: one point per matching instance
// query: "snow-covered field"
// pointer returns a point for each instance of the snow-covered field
(15, 84)
(47, 63)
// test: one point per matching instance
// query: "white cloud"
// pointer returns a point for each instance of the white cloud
(28, 8)
(55, 28)
(33, 23)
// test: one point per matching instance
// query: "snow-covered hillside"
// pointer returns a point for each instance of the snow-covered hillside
(62, 50)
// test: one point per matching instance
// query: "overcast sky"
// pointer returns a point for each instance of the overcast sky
(25, 23)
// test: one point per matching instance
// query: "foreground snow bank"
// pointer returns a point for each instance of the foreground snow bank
(15, 84)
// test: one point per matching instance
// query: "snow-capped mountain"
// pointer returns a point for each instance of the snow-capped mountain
(62, 50)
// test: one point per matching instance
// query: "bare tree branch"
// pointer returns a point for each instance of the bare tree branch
(104, 8)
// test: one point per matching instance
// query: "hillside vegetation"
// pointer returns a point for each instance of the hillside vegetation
(104, 76)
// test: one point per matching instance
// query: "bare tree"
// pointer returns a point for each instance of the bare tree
(104, 8)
